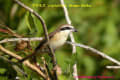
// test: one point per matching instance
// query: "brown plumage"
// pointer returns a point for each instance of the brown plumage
(56, 40)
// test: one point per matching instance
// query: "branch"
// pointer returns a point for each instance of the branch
(10, 31)
(65, 12)
(45, 32)
(27, 63)
(21, 39)
(95, 51)
(113, 67)
(71, 37)
(46, 68)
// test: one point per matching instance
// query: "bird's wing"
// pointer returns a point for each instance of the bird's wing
(43, 43)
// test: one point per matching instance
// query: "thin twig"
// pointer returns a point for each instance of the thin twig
(65, 12)
(10, 53)
(75, 71)
(27, 63)
(113, 67)
(47, 71)
(10, 31)
(96, 51)
(71, 37)
(21, 39)
(45, 32)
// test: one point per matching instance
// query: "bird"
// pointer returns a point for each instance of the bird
(57, 39)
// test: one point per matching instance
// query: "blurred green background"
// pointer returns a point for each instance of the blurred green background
(98, 26)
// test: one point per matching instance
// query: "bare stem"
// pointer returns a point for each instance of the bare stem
(21, 39)
(113, 67)
(96, 51)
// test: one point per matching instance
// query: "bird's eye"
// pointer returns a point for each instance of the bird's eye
(66, 28)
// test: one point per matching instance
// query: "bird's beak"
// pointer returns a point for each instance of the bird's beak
(75, 30)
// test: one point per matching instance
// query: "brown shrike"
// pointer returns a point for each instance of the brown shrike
(56, 40)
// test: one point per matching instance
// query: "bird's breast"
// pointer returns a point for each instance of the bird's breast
(58, 40)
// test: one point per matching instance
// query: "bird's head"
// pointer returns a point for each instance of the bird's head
(68, 28)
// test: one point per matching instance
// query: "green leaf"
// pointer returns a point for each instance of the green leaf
(62, 77)
(2, 70)
(3, 78)
(30, 22)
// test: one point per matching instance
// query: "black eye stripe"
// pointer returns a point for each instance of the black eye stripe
(66, 28)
